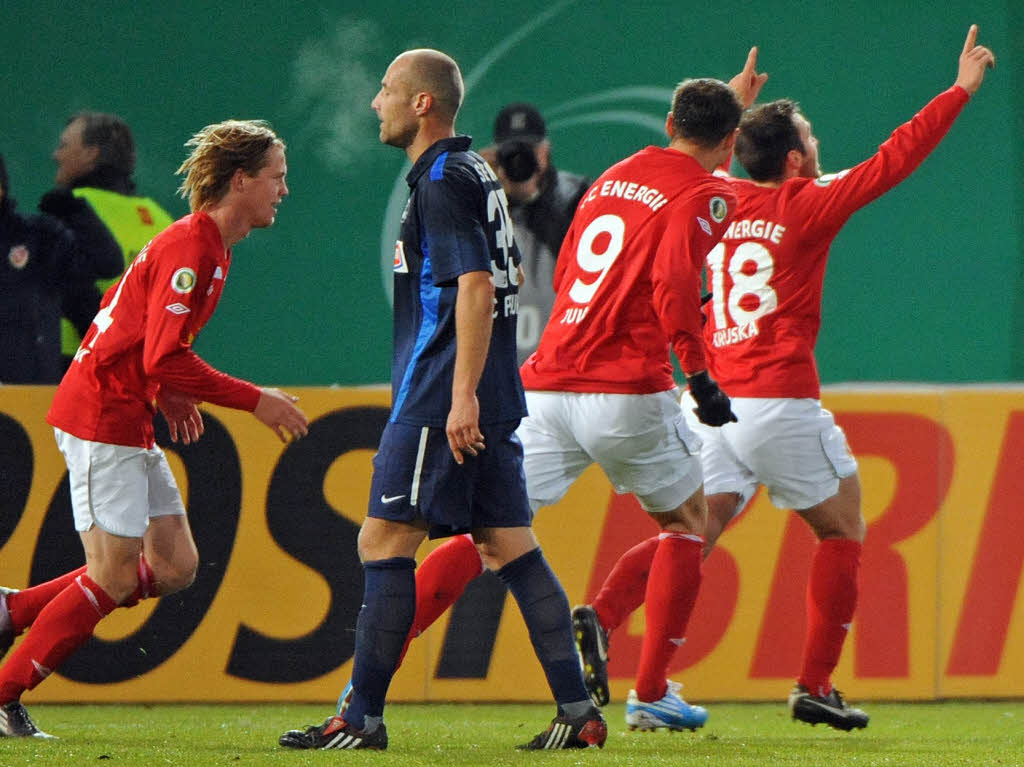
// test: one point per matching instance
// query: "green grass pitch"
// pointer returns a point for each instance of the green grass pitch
(738, 735)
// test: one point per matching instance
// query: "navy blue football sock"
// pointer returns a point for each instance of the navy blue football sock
(389, 605)
(545, 610)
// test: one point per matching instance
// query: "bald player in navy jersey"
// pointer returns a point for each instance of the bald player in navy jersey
(449, 461)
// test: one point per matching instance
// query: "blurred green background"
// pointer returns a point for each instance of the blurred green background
(924, 284)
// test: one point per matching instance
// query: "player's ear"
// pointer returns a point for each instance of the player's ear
(670, 128)
(794, 161)
(422, 102)
(238, 180)
(92, 151)
(729, 142)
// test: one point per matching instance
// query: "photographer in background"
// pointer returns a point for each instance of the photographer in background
(542, 201)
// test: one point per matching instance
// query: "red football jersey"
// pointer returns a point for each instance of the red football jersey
(141, 338)
(767, 272)
(628, 278)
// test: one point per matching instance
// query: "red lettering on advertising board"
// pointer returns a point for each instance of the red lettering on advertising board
(995, 575)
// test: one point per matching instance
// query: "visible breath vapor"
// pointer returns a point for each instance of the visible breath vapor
(332, 88)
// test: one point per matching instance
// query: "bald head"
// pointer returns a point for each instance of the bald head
(436, 73)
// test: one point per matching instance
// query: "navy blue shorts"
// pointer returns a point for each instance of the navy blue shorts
(416, 480)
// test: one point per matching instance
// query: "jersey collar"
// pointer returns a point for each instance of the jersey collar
(435, 150)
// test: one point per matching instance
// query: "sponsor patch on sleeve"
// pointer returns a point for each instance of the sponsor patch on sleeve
(719, 209)
(401, 265)
(183, 280)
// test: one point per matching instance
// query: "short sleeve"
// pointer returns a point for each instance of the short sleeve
(454, 233)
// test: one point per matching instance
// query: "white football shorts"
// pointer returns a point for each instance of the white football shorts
(118, 488)
(640, 440)
(791, 446)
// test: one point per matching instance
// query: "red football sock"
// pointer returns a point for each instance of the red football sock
(623, 590)
(440, 581)
(671, 592)
(831, 600)
(26, 604)
(147, 584)
(62, 627)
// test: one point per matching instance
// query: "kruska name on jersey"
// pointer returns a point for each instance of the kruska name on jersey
(733, 335)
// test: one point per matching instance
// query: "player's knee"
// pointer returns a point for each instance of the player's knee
(688, 517)
(369, 547)
(119, 583)
(499, 546)
(849, 517)
(722, 507)
(855, 528)
(183, 578)
(172, 577)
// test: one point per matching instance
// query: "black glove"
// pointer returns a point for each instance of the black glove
(60, 202)
(704, 298)
(713, 405)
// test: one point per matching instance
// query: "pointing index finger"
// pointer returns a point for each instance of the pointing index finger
(751, 65)
(972, 36)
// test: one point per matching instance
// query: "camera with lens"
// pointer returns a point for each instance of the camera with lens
(518, 159)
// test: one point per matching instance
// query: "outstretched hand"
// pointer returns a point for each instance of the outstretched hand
(277, 410)
(748, 82)
(974, 60)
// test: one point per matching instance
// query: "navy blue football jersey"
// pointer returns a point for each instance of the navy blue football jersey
(456, 221)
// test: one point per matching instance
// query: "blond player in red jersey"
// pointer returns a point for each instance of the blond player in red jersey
(766, 276)
(138, 351)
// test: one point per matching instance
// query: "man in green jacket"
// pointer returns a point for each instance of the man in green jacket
(95, 159)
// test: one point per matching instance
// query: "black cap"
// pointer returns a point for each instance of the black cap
(519, 121)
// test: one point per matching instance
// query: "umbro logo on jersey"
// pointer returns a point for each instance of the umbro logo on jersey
(391, 498)
(401, 265)
(218, 274)
(177, 308)
(704, 225)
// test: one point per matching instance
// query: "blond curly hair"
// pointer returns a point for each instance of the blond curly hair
(218, 151)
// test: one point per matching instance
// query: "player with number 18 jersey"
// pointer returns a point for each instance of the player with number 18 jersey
(767, 273)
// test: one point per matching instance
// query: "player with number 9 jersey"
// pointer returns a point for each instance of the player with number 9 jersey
(142, 338)
(628, 278)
